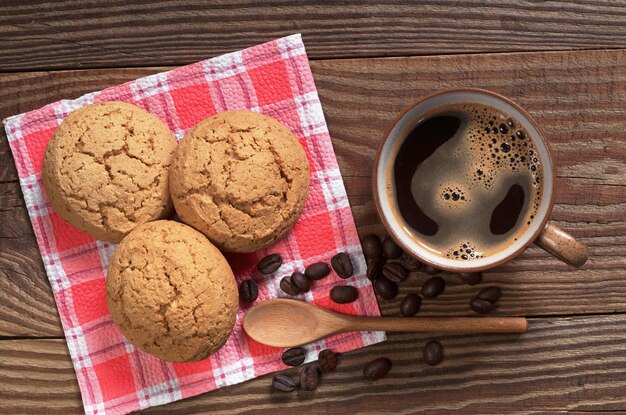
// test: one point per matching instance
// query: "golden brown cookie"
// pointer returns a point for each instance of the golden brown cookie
(171, 292)
(240, 178)
(105, 169)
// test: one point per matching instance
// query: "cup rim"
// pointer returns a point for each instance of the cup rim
(390, 229)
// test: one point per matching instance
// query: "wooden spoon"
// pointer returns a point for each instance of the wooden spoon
(284, 322)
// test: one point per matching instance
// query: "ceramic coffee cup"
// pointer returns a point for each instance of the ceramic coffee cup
(545, 234)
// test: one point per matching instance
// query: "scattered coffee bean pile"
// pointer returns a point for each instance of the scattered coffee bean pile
(299, 282)
(387, 266)
(386, 272)
(309, 376)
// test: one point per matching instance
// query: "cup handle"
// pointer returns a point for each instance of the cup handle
(562, 245)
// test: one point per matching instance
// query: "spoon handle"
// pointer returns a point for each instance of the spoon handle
(439, 324)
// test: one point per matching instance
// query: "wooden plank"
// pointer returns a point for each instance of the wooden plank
(36, 376)
(75, 34)
(561, 364)
(579, 97)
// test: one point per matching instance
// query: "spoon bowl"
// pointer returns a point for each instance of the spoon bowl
(284, 322)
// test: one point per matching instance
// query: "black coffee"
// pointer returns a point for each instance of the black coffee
(468, 180)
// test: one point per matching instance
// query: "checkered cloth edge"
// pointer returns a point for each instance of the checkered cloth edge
(273, 78)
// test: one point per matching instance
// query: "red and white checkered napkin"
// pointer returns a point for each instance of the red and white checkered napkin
(274, 79)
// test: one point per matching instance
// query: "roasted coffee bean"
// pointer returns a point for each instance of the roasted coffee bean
(342, 265)
(248, 290)
(390, 249)
(327, 360)
(491, 294)
(301, 281)
(481, 306)
(410, 305)
(288, 287)
(269, 264)
(394, 271)
(309, 378)
(430, 270)
(372, 248)
(284, 383)
(377, 368)
(409, 263)
(374, 268)
(386, 288)
(294, 356)
(433, 353)
(433, 286)
(343, 294)
(471, 278)
(317, 271)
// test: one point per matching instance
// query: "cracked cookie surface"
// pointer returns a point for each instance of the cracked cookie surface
(171, 292)
(240, 178)
(105, 170)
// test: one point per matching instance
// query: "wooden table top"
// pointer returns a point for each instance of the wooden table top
(563, 61)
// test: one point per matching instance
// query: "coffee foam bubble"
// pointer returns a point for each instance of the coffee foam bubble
(453, 195)
(489, 152)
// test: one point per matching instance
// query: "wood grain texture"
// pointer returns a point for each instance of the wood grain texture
(36, 376)
(80, 34)
(579, 98)
(565, 364)
(561, 364)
